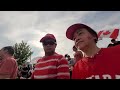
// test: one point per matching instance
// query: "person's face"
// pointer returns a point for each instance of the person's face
(83, 38)
(49, 46)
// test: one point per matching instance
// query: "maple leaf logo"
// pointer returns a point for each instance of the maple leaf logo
(106, 33)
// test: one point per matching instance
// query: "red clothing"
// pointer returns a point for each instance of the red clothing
(51, 67)
(104, 65)
(8, 68)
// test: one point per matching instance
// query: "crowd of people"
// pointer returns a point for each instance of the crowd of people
(24, 72)
(89, 61)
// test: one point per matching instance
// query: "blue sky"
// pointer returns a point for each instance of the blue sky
(31, 26)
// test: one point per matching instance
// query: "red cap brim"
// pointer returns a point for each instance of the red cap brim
(47, 37)
(71, 30)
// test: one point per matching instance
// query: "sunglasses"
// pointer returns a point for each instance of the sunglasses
(48, 42)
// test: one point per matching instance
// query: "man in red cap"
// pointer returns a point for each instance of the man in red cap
(97, 63)
(52, 65)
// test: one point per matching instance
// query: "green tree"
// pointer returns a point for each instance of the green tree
(22, 52)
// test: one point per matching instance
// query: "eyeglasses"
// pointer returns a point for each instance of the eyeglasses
(50, 43)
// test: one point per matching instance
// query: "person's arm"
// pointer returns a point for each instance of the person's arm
(63, 69)
(14, 72)
(32, 76)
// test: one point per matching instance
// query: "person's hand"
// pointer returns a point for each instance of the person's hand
(71, 67)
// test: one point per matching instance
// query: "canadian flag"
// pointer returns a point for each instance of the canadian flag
(108, 33)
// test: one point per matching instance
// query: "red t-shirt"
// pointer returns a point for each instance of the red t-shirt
(51, 67)
(104, 65)
(8, 68)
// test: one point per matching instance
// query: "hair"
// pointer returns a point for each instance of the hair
(113, 40)
(66, 55)
(9, 50)
(91, 31)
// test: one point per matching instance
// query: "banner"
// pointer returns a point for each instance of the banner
(108, 33)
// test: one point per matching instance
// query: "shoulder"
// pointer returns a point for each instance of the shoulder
(114, 49)
(40, 58)
(117, 47)
(59, 56)
(11, 60)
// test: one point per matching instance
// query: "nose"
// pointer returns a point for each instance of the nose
(76, 41)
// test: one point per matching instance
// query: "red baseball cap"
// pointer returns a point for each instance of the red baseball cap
(71, 30)
(48, 36)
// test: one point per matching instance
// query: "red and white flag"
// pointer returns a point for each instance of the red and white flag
(108, 33)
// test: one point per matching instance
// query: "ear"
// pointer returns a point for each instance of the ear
(94, 38)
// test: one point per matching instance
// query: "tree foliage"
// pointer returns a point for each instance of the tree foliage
(22, 52)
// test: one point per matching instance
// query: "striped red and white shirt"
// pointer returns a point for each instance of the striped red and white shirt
(51, 67)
